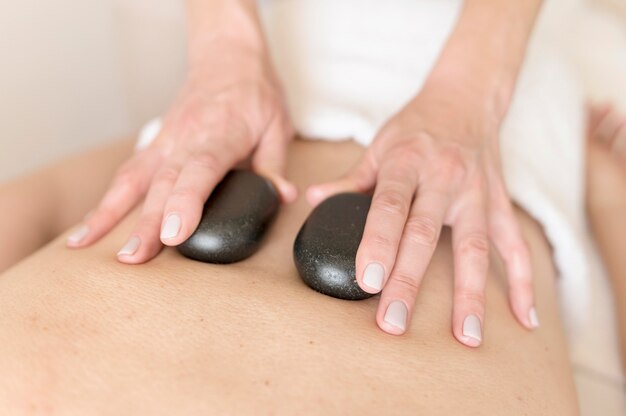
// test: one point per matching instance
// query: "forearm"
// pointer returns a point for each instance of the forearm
(215, 22)
(484, 53)
(609, 235)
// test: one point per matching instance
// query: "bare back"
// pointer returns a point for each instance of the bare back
(81, 333)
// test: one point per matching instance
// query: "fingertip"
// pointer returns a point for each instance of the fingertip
(78, 238)
(393, 319)
(288, 191)
(171, 229)
(138, 251)
(533, 318)
(469, 341)
(373, 278)
(130, 248)
(315, 194)
(469, 331)
(527, 317)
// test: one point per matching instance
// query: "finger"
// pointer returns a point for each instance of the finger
(385, 224)
(609, 127)
(271, 155)
(596, 113)
(619, 143)
(419, 240)
(471, 264)
(128, 187)
(505, 232)
(202, 171)
(144, 242)
(361, 178)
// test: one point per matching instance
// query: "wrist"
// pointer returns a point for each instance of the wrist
(222, 25)
(484, 53)
(447, 101)
(482, 84)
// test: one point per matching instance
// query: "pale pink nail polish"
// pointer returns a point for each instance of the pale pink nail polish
(171, 227)
(79, 235)
(397, 314)
(374, 275)
(472, 328)
(131, 247)
(533, 318)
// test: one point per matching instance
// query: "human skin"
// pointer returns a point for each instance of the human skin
(606, 200)
(229, 109)
(83, 334)
(437, 162)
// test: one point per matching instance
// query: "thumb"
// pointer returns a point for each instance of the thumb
(360, 178)
(270, 157)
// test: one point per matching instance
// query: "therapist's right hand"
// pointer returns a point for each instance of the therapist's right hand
(230, 108)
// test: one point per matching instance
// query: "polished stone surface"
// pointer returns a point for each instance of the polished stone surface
(325, 248)
(235, 219)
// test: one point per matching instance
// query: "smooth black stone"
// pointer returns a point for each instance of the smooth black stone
(325, 248)
(235, 219)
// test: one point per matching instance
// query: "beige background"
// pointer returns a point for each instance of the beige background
(74, 74)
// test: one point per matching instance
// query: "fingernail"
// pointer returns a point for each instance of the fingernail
(79, 235)
(533, 318)
(472, 329)
(396, 314)
(374, 275)
(171, 228)
(131, 247)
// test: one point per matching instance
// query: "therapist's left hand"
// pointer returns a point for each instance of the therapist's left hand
(437, 163)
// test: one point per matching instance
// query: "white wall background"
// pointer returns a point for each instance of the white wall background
(75, 73)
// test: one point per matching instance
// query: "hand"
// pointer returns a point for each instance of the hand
(229, 108)
(436, 163)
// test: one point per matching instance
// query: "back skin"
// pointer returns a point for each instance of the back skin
(83, 334)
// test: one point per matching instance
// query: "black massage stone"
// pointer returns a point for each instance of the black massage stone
(325, 248)
(235, 219)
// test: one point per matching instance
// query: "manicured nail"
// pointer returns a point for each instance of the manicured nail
(171, 228)
(79, 235)
(396, 314)
(472, 329)
(131, 247)
(533, 318)
(373, 276)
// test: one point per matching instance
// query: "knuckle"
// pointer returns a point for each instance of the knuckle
(186, 195)
(422, 230)
(167, 174)
(473, 297)
(150, 220)
(127, 179)
(408, 283)
(207, 161)
(380, 240)
(391, 202)
(474, 246)
(451, 166)
(406, 155)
